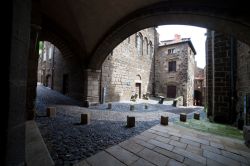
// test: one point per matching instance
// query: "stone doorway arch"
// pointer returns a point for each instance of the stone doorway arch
(48, 81)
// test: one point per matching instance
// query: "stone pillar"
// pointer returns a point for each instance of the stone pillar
(221, 76)
(14, 128)
(91, 85)
(32, 72)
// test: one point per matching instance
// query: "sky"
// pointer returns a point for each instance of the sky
(196, 34)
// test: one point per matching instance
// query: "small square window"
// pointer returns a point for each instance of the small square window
(171, 51)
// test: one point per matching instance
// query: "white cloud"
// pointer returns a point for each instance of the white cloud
(196, 34)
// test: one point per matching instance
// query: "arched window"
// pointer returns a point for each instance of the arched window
(139, 43)
(151, 49)
(146, 45)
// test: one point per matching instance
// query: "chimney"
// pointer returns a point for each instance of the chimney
(177, 37)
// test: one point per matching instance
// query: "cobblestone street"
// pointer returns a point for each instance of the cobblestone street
(69, 142)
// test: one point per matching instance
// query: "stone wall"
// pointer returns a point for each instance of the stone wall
(190, 77)
(125, 67)
(63, 74)
(183, 78)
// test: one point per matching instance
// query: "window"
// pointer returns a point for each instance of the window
(151, 49)
(172, 66)
(44, 54)
(171, 51)
(139, 43)
(50, 52)
(146, 45)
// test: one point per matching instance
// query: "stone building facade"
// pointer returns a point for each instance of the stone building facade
(174, 69)
(228, 74)
(58, 72)
(138, 65)
(243, 81)
(129, 68)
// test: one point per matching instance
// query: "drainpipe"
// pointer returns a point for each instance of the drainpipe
(212, 36)
(100, 88)
(53, 64)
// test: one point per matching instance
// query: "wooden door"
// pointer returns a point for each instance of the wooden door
(171, 91)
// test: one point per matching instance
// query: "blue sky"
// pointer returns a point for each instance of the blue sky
(196, 34)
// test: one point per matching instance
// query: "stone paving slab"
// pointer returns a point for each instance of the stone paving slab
(103, 158)
(153, 157)
(142, 162)
(131, 146)
(169, 154)
(194, 149)
(220, 158)
(122, 154)
(159, 150)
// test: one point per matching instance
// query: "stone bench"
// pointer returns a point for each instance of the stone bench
(85, 118)
(51, 112)
(197, 115)
(246, 135)
(130, 121)
(183, 117)
(164, 120)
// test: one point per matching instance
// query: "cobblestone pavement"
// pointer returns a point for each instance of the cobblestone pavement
(69, 142)
(47, 97)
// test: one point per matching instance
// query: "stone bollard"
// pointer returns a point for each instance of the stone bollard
(197, 115)
(132, 107)
(85, 118)
(109, 105)
(51, 112)
(246, 135)
(130, 121)
(164, 120)
(183, 117)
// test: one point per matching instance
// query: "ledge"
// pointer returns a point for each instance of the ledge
(36, 152)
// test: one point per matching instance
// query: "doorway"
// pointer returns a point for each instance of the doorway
(138, 89)
(171, 91)
(197, 98)
(65, 83)
(48, 81)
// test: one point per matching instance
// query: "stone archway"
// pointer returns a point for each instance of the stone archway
(48, 81)
(162, 14)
